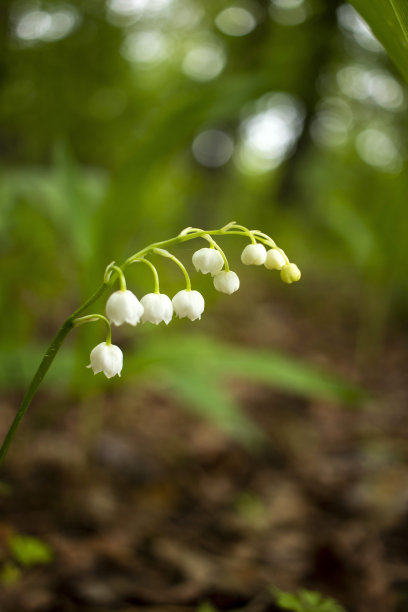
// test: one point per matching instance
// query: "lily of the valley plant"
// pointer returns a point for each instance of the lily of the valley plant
(123, 306)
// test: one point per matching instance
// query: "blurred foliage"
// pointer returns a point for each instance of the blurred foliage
(23, 552)
(206, 607)
(124, 121)
(389, 22)
(306, 601)
(196, 369)
(29, 551)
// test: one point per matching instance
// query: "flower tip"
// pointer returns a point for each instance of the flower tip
(290, 273)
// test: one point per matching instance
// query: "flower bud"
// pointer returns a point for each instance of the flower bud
(208, 261)
(188, 304)
(290, 273)
(157, 308)
(123, 307)
(274, 260)
(226, 282)
(253, 255)
(106, 358)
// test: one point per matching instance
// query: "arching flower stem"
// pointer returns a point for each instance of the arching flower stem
(246, 231)
(165, 253)
(153, 269)
(213, 245)
(113, 268)
(96, 317)
(268, 241)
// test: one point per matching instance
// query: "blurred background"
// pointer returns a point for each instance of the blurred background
(264, 447)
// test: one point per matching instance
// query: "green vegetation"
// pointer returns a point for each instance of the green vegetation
(306, 601)
(123, 122)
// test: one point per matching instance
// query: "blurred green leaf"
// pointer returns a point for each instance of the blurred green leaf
(28, 550)
(388, 20)
(206, 607)
(10, 574)
(205, 355)
(198, 369)
(211, 400)
(305, 601)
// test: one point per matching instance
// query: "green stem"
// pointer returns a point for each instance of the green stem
(96, 317)
(165, 253)
(47, 360)
(245, 230)
(268, 241)
(151, 266)
(122, 280)
(173, 241)
(219, 249)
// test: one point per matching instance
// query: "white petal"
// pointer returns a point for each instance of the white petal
(274, 260)
(123, 307)
(208, 261)
(188, 304)
(226, 282)
(106, 358)
(254, 255)
(157, 308)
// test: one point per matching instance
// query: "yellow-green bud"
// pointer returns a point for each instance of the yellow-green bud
(290, 273)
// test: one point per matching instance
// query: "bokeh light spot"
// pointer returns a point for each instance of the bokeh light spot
(333, 122)
(375, 85)
(37, 25)
(289, 12)
(204, 62)
(131, 8)
(269, 135)
(213, 148)
(147, 47)
(235, 21)
(378, 149)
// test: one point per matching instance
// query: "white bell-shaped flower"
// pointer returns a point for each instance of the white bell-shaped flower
(123, 307)
(157, 308)
(226, 282)
(106, 358)
(290, 273)
(188, 304)
(208, 261)
(253, 255)
(274, 260)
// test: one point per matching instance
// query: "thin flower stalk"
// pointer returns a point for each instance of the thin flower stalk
(107, 358)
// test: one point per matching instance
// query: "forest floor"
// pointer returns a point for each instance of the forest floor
(147, 507)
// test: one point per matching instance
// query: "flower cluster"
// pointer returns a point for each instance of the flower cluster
(124, 307)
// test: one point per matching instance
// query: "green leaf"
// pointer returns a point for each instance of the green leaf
(388, 20)
(208, 398)
(201, 370)
(208, 356)
(29, 551)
